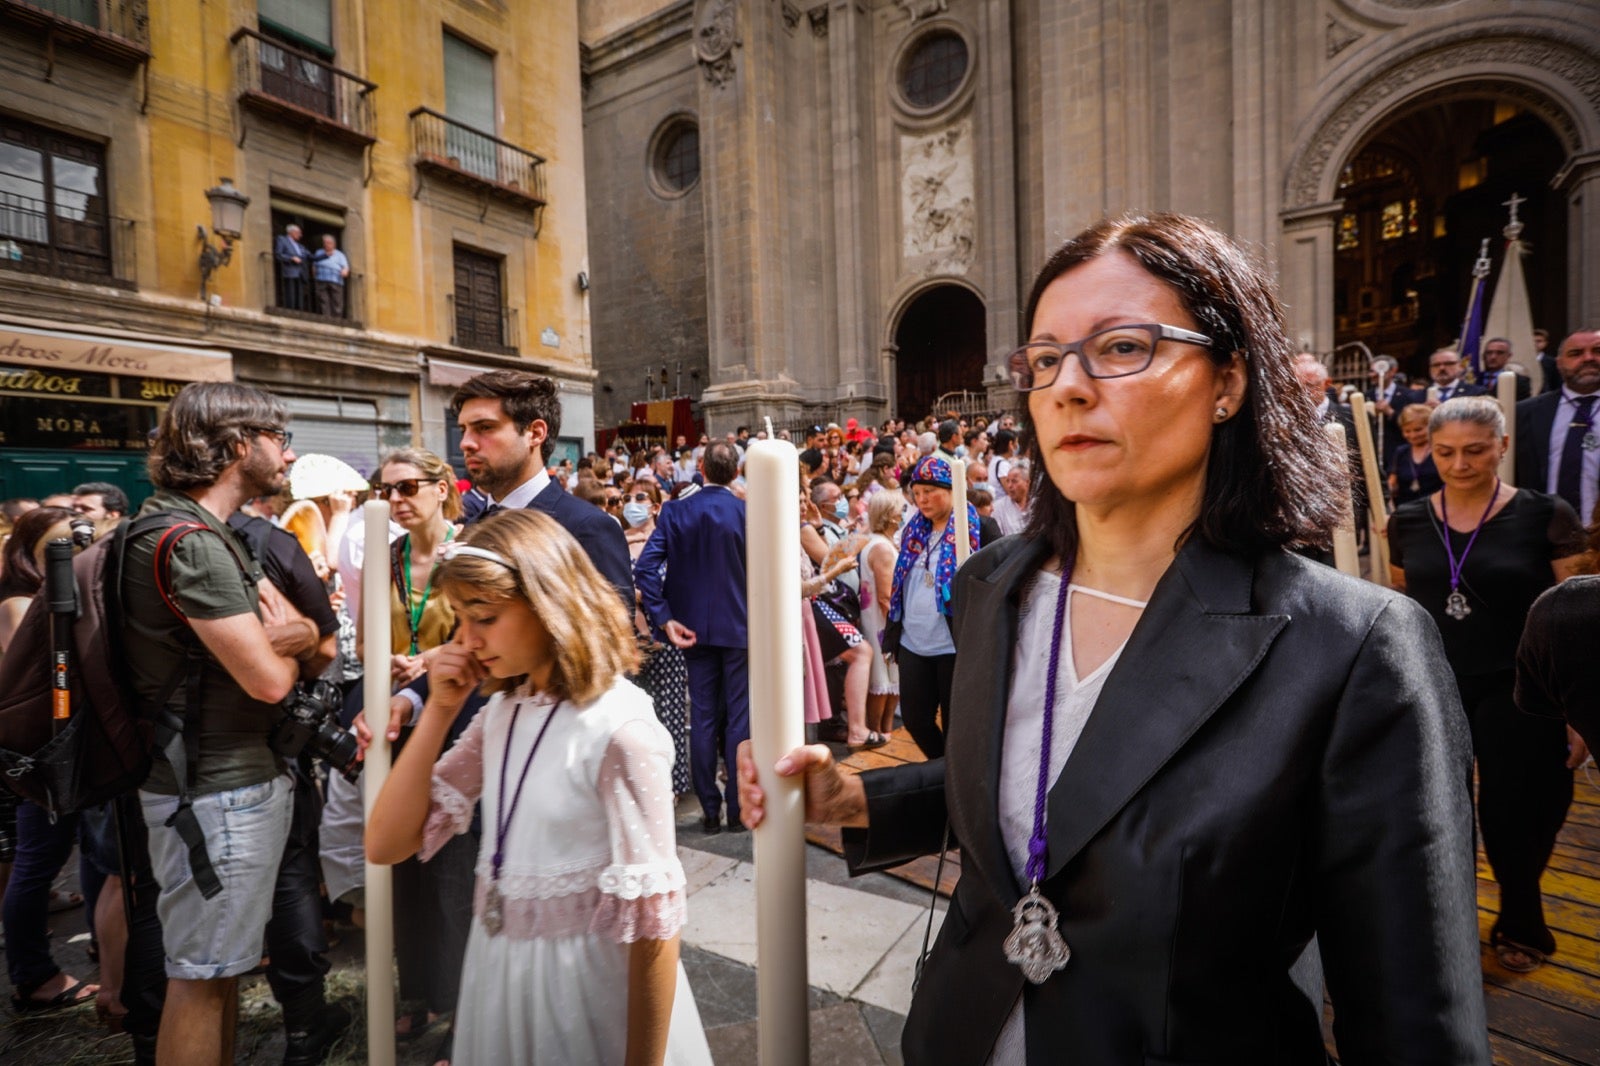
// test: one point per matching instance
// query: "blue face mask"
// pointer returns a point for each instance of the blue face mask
(961, 451)
(841, 508)
(636, 514)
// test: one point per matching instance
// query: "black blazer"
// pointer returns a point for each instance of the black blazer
(1279, 753)
(597, 533)
(1535, 419)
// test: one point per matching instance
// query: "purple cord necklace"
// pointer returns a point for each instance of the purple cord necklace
(1034, 943)
(1455, 604)
(493, 902)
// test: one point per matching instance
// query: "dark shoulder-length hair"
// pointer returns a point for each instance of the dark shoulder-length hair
(20, 574)
(201, 427)
(1273, 478)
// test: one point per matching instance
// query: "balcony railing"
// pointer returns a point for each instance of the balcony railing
(459, 153)
(115, 29)
(301, 88)
(284, 296)
(77, 245)
(483, 329)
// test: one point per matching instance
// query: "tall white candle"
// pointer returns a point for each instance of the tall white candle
(1377, 510)
(1505, 390)
(1346, 555)
(1433, 394)
(777, 726)
(958, 509)
(375, 622)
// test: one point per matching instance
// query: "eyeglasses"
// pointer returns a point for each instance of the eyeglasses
(639, 497)
(407, 488)
(1111, 353)
(283, 435)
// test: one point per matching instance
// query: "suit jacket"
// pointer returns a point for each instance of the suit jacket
(699, 545)
(1279, 753)
(1463, 388)
(1535, 419)
(596, 532)
(1551, 375)
(1524, 384)
(285, 249)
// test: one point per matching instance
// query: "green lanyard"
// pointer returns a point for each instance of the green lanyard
(414, 613)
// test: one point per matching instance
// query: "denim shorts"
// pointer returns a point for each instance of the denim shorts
(246, 829)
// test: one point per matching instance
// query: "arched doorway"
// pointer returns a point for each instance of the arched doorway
(1419, 195)
(941, 343)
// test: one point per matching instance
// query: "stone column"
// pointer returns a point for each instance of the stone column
(752, 371)
(1306, 273)
(1579, 178)
(997, 194)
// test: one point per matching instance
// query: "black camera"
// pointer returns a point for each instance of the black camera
(310, 725)
(82, 532)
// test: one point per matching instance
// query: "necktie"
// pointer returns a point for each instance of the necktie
(1569, 481)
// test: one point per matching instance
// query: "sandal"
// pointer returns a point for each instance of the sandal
(64, 901)
(1518, 958)
(874, 739)
(75, 994)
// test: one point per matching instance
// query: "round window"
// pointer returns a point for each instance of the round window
(677, 162)
(934, 69)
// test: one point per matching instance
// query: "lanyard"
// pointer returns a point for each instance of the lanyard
(403, 575)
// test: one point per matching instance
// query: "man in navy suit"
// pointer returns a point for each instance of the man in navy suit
(508, 419)
(293, 263)
(1496, 354)
(1445, 367)
(1558, 433)
(691, 577)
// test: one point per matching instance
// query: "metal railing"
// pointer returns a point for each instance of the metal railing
(483, 330)
(456, 149)
(300, 83)
(127, 19)
(300, 298)
(67, 242)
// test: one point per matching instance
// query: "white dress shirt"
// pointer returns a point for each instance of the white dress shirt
(1589, 482)
(524, 493)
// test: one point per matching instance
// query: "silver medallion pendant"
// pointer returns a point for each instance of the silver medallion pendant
(1034, 944)
(493, 910)
(1591, 441)
(1455, 605)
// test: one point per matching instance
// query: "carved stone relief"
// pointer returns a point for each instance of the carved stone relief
(1340, 36)
(715, 38)
(1386, 88)
(921, 9)
(819, 20)
(938, 215)
(791, 16)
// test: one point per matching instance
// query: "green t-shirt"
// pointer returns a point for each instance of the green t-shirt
(207, 585)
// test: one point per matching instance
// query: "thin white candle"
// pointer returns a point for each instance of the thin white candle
(777, 726)
(1505, 390)
(958, 509)
(1377, 510)
(1433, 394)
(1346, 556)
(375, 622)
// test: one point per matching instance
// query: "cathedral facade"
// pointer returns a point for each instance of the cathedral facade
(818, 210)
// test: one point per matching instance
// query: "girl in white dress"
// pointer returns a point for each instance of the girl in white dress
(573, 955)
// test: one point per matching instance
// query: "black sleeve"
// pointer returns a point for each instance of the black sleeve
(1557, 670)
(1397, 554)
(1538, 690)
(906, 817)
(289, 568)
(1566, 531)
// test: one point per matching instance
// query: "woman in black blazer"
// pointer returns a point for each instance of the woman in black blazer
(1249, 757)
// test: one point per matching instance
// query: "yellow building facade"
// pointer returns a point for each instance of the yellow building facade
(154, 155)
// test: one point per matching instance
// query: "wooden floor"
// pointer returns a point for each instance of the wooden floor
(1549, 1016)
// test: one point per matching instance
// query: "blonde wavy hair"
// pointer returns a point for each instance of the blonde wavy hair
(592, 634)
(431, 466)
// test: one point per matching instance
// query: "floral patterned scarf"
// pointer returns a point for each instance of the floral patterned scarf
(914, 541)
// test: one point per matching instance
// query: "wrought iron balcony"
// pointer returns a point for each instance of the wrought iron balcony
(300, 298)
(485, 329)
(71, 243)
(302, 89)
(118, 30)
(457, 152)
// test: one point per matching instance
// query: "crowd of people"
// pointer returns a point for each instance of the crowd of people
(1150, 715)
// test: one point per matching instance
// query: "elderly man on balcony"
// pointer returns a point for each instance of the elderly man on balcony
(331, 269)
(293, 262)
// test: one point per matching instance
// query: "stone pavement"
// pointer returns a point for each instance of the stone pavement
(864, 935)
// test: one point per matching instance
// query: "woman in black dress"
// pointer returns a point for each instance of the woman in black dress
(1504, 547)
(1412, 474)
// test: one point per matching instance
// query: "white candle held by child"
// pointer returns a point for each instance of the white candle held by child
(375, 691)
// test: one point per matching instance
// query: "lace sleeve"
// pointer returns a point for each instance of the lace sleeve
(642, 890)
(457, 783)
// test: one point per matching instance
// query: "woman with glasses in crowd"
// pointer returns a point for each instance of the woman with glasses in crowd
(664, 673)
(1476, 554)
(1180, 750)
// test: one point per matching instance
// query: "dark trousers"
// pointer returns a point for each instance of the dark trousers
(294, 293)
(330, 298)
(433, 917)
(295, 940)
(1524, 790)
(719, 719)
(43, 849)
(924, 689)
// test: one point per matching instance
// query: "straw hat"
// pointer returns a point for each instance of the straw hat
(322, 475)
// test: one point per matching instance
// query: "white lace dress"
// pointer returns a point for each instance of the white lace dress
(590, 866)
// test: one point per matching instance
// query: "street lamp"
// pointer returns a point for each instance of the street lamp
(227, 222)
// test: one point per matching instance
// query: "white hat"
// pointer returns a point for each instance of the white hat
(322, 475)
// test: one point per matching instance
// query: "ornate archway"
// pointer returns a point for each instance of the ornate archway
(940, 345)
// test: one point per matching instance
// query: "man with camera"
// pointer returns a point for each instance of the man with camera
(234, 649)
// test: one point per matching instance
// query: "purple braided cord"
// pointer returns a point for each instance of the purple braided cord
(1038, 846)
(1457, 568)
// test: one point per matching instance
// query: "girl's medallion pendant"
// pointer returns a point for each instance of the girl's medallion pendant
(493, 910)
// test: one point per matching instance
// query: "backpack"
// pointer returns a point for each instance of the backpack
(107, 745)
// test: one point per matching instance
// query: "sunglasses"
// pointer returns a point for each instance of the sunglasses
(612, 501)
(407, 488)
(639, 497)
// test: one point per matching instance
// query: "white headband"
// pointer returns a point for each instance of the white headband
(455, 549)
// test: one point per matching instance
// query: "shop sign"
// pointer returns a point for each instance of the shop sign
(35, 422)
(68, 353)
(33, 381)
